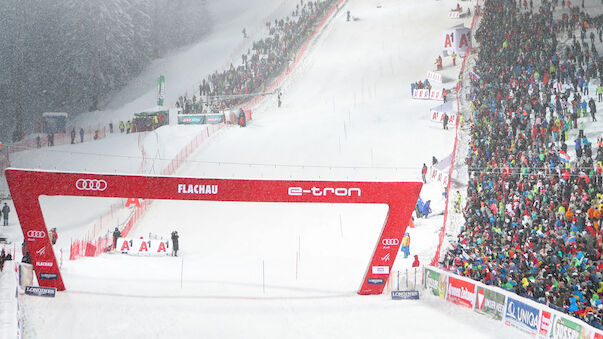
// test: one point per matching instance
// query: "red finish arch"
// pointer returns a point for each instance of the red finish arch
(27, 185)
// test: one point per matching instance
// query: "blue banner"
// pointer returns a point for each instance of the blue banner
(41, 291)
(214, 118)
(405, 295)
(199, 119)
(521, 315)
(191, 120)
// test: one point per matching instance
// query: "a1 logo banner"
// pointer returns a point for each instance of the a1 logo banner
(143, 247)
(436, 95)
(433, 76)
(453, 15)
(422, 93)
(437, 116)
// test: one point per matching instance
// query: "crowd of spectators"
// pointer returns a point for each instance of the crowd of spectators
(420, 85)
(268, 58)
(533, 212)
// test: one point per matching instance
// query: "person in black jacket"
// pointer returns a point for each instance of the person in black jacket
(5, 211)
(116, 235)
(175, 237)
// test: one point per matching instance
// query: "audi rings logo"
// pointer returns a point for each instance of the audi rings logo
(390, 242)
(36, 234)
(91, 185)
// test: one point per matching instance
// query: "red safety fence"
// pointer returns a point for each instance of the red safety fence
(94, 245)
(436, 256)
(81, 248)
(90, 248)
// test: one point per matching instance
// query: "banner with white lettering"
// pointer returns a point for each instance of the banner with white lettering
(546, 322)
(522, 316)
(461, 292)
(564, 327)
(435, 283)
(490, 303)
(152, 247)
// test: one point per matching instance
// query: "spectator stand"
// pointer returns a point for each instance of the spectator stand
(531, 234)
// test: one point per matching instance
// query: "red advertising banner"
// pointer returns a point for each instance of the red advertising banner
(461, 292)
(546, 320)
(26, 186)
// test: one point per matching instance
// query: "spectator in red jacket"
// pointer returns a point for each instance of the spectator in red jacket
(416, 262)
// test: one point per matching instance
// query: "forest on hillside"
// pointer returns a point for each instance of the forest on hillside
(68, 55)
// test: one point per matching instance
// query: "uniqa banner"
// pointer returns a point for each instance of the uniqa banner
(521, 315)
(490, 303)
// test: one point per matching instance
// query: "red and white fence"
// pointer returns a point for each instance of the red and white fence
(90, 133)
(91, 247)
(93, 244)
(436, 257)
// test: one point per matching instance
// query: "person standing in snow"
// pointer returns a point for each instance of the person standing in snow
(5, 211)
(445, 120)
(53, 235)
(116, 235)
(406, 245)
(416, 262)
(73, 135)
(82, 134)
(457, 202)
(424, 173)
(175, 247)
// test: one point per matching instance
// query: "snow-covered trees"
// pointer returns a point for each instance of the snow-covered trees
(67, 55)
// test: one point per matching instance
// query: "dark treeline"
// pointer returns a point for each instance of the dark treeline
(67, 55)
